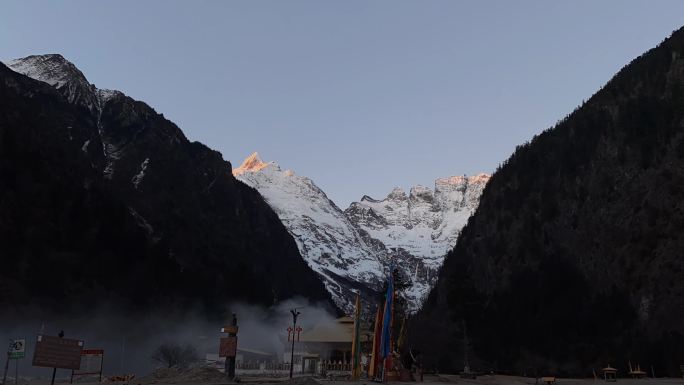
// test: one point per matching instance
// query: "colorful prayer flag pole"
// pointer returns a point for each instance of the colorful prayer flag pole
(377, 331)
(356, 345)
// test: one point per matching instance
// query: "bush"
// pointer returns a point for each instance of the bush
(172, 355)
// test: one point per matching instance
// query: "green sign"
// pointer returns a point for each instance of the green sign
(17, 349)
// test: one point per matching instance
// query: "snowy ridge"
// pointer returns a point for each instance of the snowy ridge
(60, 73)
(351, 249)
(420, 227)
(64, 76)
(52, 69)
(327, 240)
(424, 223)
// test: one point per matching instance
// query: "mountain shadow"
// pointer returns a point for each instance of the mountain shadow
(104, 201)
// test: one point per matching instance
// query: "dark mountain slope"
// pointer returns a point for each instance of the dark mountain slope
(187, 194)
(80, 224)
(573, 259)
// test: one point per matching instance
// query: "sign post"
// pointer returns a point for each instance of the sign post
(228, 347)
(15, 351)
(91, 363)
(57, 352)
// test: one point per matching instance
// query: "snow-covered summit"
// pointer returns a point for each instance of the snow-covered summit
(252, 163)
(427, 222)
(66, 78)
(53, 69)
(60, 73)
(327, 240)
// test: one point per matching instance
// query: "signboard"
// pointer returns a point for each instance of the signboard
(55, 352)
(17, 349)
(91, 361)
(229, 329)
(228, 347)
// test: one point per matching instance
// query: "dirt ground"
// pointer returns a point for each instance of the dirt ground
(208, 376)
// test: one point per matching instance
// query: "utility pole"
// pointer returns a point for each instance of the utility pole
(295, 314)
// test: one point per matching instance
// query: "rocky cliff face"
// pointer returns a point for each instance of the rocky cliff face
(104, 198)
(351, 250)
(572, 259)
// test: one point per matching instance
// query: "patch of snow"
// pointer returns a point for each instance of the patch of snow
(60, 73)
(112, 154)
(140, 175)
(104, 95)
(425, 223)
(141, 221)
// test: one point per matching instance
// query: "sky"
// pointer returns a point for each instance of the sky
(359, 96)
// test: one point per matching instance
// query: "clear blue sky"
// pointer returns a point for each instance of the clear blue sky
(360, 96)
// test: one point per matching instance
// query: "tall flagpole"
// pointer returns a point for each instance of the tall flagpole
(375, 356)
(391, 326)
(356, 341)
(386, 340)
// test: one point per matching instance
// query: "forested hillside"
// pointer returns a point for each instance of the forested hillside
(573, 259)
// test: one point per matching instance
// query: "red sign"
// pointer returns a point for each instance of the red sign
(55, 352)
(91, 362)
(228, 347)
(86, 352)
(291, 332)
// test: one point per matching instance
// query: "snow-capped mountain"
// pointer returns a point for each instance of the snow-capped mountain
(424, 223)
(352, 249)
(329, 242)
(421, 227)
(60, 73)
(348, 249)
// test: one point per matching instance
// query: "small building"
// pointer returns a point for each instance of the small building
(331, 341)
(327, 346)
(252, 359)
(245, 359)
